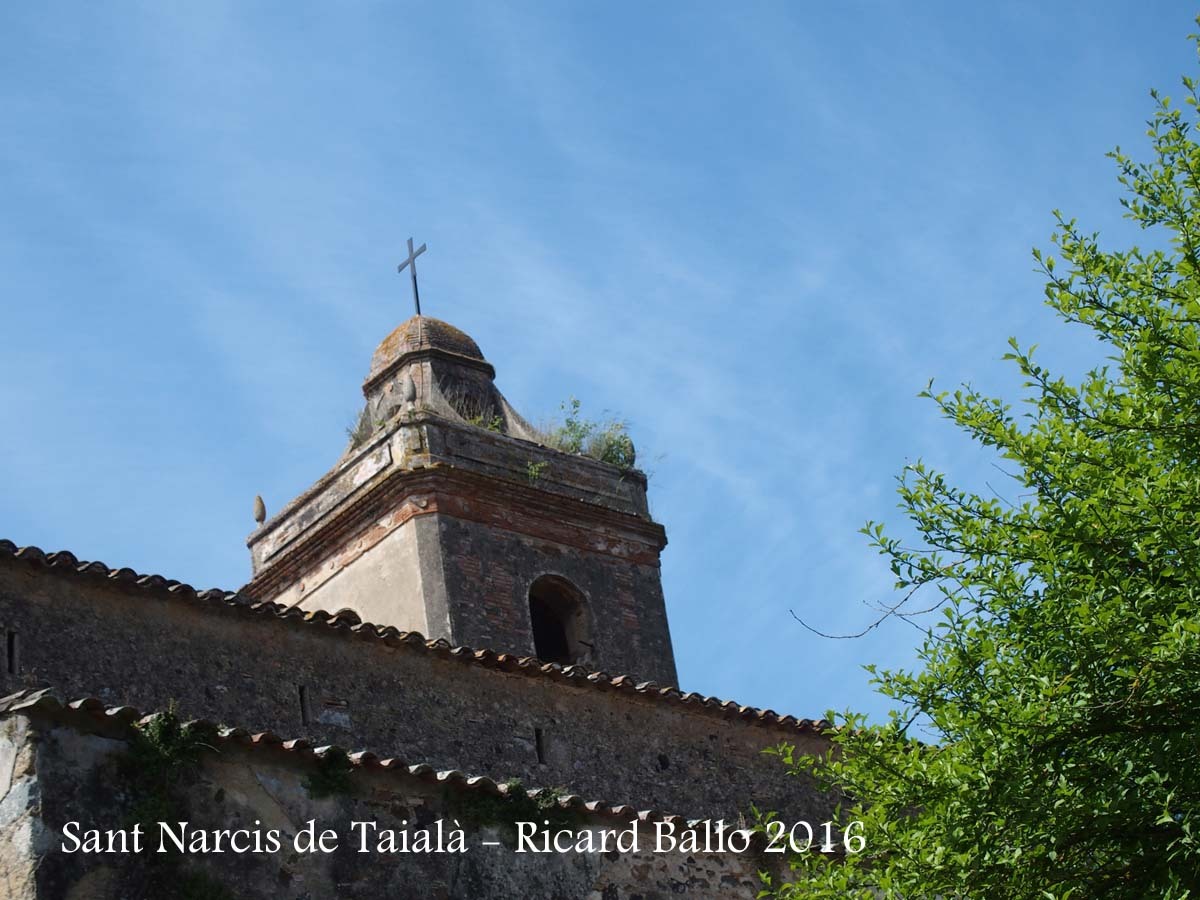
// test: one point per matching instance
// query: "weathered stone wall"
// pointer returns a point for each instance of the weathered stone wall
(428, 568)
(21, 831)
(623, 600)
(378, 575)
(86, 635)
(64, 773)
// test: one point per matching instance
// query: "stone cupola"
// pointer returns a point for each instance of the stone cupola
(429, 364)
(448, 516)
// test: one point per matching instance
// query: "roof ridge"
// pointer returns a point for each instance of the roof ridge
(66, 563)
(91, 709)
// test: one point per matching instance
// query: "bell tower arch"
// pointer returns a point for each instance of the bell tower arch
(559, 620)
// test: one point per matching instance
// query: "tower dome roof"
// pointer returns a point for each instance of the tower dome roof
(423, 333)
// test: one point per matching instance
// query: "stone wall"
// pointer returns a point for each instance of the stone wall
(150, 645)
(60, 768)
(622, 599)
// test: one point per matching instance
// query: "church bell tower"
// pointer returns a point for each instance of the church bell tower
(447, 517)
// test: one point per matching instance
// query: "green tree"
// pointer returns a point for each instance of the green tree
(1060, 674)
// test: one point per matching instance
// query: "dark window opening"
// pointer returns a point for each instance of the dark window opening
(549, 632)
(540, 745)
(663, 762)
(558, 618)
(303, 704)
(13, 666)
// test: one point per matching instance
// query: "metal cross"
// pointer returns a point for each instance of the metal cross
(411, 262)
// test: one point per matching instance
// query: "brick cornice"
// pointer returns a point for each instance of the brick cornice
(463, 494)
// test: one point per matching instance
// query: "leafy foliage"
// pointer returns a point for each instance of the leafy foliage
(480, 809)
(162, 759)
(492, 422)
(607, 441)
(1062, 676)
(331, 776)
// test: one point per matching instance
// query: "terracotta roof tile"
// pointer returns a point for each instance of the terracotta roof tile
(422, 333)
(66, 563)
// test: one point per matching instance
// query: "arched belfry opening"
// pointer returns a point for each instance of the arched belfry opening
(558, 615)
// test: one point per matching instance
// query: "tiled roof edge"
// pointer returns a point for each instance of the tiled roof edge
(66, 563)
(121, 719)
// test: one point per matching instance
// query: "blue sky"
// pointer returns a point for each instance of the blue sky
(753, 230)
